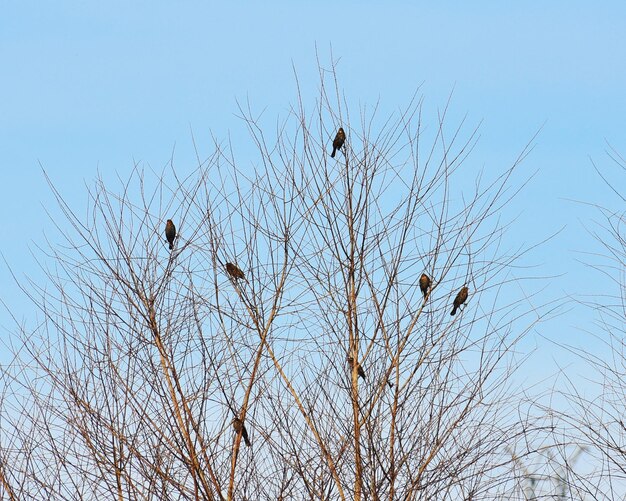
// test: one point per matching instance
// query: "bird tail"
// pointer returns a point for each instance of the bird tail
(171, 246)
(453, 310)
(333, 153)
(247, 440)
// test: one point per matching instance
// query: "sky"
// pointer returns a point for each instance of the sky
(94, 87)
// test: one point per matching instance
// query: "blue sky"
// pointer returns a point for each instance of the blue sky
(92, 87)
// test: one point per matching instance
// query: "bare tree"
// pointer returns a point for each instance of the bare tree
(148, 364)
(596, 414)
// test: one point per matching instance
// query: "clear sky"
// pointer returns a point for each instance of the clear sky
(90, 87)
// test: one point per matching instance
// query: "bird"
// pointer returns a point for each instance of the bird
(425, 282)
(170, 233)
(340, 138)
(234, 271)
(359, 369)
(239, 427)
(460, 298)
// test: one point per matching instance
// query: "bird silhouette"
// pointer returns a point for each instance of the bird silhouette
(359, 369)
(234, 271)
(239, 427)
(460, 298)
(425, 282)
(170, 233)
(340, 138)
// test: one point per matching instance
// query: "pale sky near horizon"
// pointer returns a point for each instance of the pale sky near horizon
(92, 87)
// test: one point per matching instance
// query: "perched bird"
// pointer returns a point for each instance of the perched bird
(460, 298)
(340, 138)
(239, 427)
(359, 369)
(425, 282)
(234, 271)
(170, 233)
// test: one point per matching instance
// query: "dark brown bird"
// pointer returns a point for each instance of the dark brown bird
(460, 298)
(425, 282)
(239, 427)
(234, 271)
(170, 233)
(359, 369)
(340, 138)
